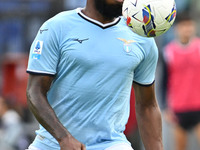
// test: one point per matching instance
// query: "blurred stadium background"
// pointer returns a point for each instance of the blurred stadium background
(19, 23)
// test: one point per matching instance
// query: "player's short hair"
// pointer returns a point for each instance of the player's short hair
(183, 16)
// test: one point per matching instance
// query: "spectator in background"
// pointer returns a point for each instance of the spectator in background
(182, 57)
(182, 5)
(11, 130)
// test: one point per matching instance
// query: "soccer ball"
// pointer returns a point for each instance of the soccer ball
(149, 18)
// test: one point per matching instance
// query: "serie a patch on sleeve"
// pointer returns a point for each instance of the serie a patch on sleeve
(37, 51)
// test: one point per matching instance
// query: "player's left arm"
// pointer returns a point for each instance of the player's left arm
(147, 109)
(148, 117)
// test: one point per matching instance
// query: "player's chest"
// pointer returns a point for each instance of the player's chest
(101, 48)
(102, 51)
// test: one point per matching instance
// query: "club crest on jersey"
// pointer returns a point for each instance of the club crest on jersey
(127, 44)
(37, 51)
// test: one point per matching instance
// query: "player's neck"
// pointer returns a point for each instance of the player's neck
(91, 12)
(185, 41)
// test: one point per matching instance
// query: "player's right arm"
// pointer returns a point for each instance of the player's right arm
(37, 88)
(42, 68)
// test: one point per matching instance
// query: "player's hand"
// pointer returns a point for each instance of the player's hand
(70, 143)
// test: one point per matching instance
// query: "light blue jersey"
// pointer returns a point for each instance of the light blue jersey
(94, 65)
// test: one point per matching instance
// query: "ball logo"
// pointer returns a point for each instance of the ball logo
(172, 15)
(148, 19)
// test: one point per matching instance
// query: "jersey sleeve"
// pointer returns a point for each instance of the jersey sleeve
(144, 74)
(44, 51)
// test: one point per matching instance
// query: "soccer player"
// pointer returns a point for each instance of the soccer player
(183, 83)
(82, 65)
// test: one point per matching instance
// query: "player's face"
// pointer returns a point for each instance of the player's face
(186, 29)
(109, 9)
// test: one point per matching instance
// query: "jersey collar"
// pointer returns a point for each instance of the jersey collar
(104, 26)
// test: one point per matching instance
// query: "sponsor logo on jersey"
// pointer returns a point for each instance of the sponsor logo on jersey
(37, 51)
(80, 40)
(127, 44)
(42, 30)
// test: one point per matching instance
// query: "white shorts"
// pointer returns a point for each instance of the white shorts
(121, 146)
